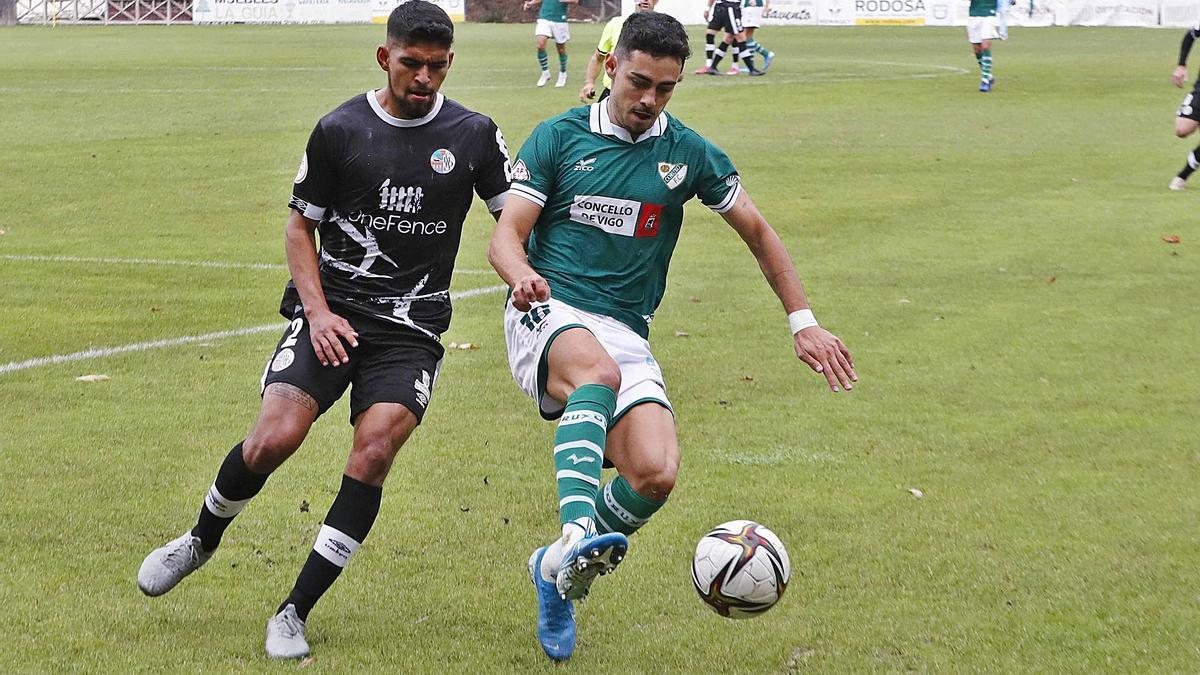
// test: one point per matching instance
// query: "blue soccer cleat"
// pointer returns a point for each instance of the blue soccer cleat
(767, 60)
(588, 559)
(985, 86)
(556, 616)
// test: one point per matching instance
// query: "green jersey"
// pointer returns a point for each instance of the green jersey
(612, 207)
(984, 7)
(553, 10)
(753, 3)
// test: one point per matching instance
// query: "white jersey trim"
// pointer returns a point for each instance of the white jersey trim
(399, 121)
(526, 192)
(602, 124)
(496, 203)
(729, 201)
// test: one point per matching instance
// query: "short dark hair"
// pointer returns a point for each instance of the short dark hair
(420, 21)
(655, 33)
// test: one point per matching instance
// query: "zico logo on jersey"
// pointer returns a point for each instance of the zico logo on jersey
(623, 217)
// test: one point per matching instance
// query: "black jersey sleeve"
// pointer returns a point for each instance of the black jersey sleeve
(495, 173)
(314, 184)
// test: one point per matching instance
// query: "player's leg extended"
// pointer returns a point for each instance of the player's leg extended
(379, 432)
(284, 419)
(543, 61)
(644, 449)
(583, 375)
(1185, 126)
(985, 64)
(562, 64)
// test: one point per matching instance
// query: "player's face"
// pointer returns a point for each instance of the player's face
(645, 5)
(642, 86)
(415, 73)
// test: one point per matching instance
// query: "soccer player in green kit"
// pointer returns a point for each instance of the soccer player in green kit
(551, 23)
(985, 22)
(584, 241)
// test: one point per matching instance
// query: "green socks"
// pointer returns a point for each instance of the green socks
(579, 449)
(620, 509)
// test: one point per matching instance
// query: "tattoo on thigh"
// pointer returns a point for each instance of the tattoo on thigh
(292, 393)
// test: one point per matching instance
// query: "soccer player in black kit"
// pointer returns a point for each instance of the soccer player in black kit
(1187, 119)
(386, 179)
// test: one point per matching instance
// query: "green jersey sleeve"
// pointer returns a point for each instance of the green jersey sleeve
(718, 185)
(534, 173)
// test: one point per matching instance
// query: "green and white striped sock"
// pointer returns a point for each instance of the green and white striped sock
(579, 449)
(542, 60)
(620, 509)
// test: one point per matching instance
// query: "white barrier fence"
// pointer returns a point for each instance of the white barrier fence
(1180, 13)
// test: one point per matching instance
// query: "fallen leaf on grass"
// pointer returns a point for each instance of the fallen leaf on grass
(1052, 279)
(905, 301)
(694, 299)
(3, 231)
(303, 506)
(746, 378)
(680, 333)
(308, 661)
(1170, 238)
(463, 345)
(424, 617)
(93, 378)
(916, 492)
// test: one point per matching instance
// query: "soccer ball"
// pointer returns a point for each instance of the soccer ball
(740, 569)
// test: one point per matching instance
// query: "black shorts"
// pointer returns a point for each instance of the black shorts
(1190, 108)
(726, 16)
(390, 365)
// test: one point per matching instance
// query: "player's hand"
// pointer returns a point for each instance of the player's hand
(326, 331)
(825, 354)
(706, 15)
(1179, 76)
(527, 4)
(529, 290)
(587, 93)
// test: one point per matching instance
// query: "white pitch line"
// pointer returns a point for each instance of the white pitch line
(175, 342)
(156, 261)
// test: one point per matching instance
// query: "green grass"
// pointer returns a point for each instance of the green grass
(1026, 343)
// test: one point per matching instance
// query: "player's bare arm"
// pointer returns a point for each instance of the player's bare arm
(325, 327)
(588, 91)
(820, 349)
(506, 253)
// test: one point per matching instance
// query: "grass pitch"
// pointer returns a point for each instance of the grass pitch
(1025, 338)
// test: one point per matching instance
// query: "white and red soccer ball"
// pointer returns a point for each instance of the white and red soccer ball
(740, 569)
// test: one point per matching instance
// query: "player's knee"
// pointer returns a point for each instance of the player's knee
(264, 450)
(658, 482)
(607, 374)
(1184, 130)
(372, 457)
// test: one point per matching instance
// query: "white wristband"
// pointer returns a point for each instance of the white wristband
(801, 319)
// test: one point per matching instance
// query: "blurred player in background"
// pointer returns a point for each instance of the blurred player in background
(551, 23)
(753, 12)
(986, 21)
(608, 41)
(725, 15)
(1188, 117)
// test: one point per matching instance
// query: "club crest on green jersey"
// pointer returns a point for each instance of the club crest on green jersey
(672, 174)
(520, 171)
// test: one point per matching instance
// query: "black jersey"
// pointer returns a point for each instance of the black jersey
(391, 195)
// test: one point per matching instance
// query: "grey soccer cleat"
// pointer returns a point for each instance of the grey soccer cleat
(167, 566)
(285, 635)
